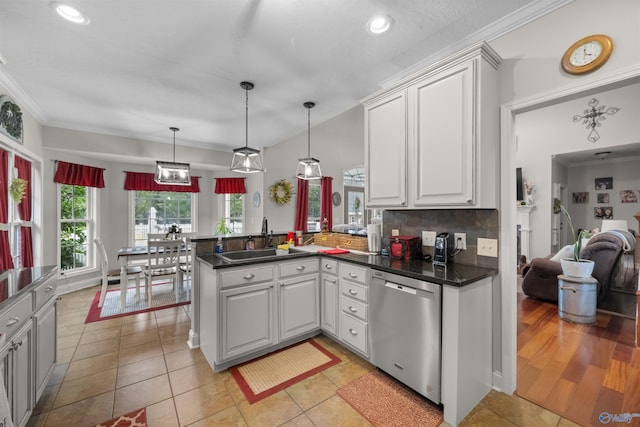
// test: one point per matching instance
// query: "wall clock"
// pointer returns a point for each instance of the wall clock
(336, 198)
(256, 199)
(587, 54)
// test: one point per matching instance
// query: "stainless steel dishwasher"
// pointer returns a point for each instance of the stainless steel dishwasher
(406, 330)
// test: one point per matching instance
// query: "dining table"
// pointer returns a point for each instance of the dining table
(128, 255)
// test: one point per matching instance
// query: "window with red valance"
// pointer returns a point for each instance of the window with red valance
(74, 174)
(6, 262)
(141, 181)
(230, 186)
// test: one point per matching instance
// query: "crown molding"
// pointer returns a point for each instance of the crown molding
(21, 98)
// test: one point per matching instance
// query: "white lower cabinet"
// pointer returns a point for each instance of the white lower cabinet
(329, 296)
(299, 306)
(44, 323)
(248, 314)
(16, 358)
(354, 306)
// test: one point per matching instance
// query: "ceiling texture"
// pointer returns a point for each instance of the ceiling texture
(142, 66)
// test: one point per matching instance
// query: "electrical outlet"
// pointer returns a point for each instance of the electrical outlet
(428, 238)
(488, 247)
(460, 241)
(395, 232)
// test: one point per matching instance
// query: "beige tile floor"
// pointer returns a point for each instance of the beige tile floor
(112, 367)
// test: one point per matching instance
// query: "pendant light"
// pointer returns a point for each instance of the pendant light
(309, 168)
(245, 159)
(172, 173)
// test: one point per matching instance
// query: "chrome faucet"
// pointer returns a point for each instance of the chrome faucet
(265, 227)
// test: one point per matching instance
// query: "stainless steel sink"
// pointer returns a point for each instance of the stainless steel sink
(236, 256)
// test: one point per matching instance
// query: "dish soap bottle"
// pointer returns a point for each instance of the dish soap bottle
(219, 247)
(251, 244)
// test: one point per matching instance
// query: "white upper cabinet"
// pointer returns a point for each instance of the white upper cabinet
(431, 140)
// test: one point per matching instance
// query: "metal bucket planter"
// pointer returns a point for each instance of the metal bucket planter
(582, 268)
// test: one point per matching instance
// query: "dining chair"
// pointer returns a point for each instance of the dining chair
(186, 262)
(163, 262)
(113, 275)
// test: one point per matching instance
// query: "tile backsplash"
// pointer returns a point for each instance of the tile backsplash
(483, 223)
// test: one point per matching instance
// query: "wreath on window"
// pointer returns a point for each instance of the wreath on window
(281, 192)
(10, 118)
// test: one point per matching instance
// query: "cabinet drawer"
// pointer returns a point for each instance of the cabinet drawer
(353, 273)
(246, 276)
(303, 266)
(354, 332)
(44, 293)
(354, 308)
(354, 290)
(329, 265)
(14, 317)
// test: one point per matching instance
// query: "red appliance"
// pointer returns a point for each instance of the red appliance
(404, 247)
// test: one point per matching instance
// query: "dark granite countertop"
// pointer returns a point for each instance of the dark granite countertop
(451, 275)
(19, 281)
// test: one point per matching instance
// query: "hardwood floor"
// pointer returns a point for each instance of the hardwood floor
(578, 371)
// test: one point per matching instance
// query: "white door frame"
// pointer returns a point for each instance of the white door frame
(505, 379)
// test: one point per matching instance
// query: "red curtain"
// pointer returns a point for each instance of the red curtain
(302, 205)
(6, 262)
(24, 212)
(74, 174)
(230, 186)
(142, 181)
(326, 205)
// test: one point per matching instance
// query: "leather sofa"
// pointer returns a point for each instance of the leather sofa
(540, 279)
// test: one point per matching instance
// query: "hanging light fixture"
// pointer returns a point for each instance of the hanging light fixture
(172, 173)
(309, 168)
(245, 159)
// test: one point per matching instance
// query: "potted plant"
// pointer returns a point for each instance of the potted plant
(576, 266)
(223, 228)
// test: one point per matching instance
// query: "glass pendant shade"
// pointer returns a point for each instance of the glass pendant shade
(246, 159)
(172, 173)
(309, 167)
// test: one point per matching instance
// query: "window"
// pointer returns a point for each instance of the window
(76, 226)
(156, 211)
(313, 218)
(233, 213)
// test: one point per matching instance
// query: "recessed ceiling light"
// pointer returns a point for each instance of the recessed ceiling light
(379, 24)
(70, 13)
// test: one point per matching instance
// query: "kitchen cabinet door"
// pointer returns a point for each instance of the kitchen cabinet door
(45, 339)
(386, 152)
(17, 368)
(329, 303)
(248, 319)
(442, 159)
(299, 306)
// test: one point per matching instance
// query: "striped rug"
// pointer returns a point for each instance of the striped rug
(276, 371)
(163, 296)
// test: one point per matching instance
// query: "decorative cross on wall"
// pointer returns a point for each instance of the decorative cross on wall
(593, 116)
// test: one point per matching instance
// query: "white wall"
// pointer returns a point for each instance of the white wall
(339, 145)
(545, 132)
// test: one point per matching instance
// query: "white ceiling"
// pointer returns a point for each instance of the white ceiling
(144, 65)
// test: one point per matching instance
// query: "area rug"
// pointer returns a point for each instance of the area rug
(137, 418)
(276, 371)
(163, 296)
(384, 401)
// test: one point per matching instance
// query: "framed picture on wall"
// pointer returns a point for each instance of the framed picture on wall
(581, 197)
(605, 212)
(603, 197)
(629, 196)
(604, 183)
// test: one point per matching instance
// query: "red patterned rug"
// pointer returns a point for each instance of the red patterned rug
(276, 371)
(137, 418)
(385, 402)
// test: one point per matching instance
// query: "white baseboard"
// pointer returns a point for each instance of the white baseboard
(64, 286)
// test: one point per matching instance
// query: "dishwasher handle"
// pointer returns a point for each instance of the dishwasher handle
(401, 288)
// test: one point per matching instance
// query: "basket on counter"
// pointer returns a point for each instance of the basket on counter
(345, 241)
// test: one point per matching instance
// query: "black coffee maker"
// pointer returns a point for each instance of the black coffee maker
(443, 242)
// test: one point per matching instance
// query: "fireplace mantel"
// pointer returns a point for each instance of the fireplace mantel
(522, 219)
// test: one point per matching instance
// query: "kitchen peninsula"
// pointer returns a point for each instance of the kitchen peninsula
(248, 308)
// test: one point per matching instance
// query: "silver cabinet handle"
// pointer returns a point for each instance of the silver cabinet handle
(353, 332)
(16, 345)
(328, 266)
(353, 310)
(353, 275)
(300, 267)
(281, 284)
(249, 276)
(48, 289)
(352, 292)
(331, 280)
(12, 321)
